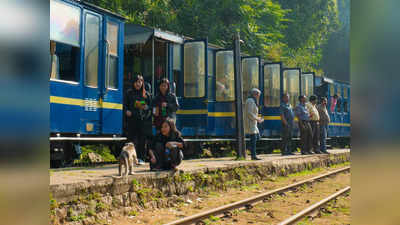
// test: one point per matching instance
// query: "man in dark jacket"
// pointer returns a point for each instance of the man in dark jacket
(324, 120)
(287, 118)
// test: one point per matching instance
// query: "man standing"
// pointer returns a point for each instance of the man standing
(287, 117)
(251, 120)
(304, 126)
(324, 120)
(314, 122)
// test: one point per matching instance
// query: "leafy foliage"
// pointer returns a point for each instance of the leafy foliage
(102, 150)
(292, 31)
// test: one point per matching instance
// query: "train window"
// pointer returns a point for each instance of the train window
(307, 84)
(224, 75)
(272, 85)
(345, 92)
(339, 105)
(92, 34)
(65, 23)
(112, 58)
(210, 88)
(250, 75)
(291, 85)
(65, 41)
(194, 69)
(65, 61)
(332, 90)
(177, 67)
(345, 106)
(339, 91)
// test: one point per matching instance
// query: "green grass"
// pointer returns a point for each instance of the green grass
(102, 150)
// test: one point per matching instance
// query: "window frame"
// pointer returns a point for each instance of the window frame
(205, 42)
(81, 49)
(84, 77)
(215, 79)
(306, 74)
(106, 20)
(259, 73)
(80, 25)
(299, 84)
(280, 91)
(211, 75)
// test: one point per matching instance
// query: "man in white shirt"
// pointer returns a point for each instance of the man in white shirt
(251, 120)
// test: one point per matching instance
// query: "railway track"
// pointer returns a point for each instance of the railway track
(313, 207)
(249, 201)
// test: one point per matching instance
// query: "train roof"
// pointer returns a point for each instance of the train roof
(90, 5)
(138, 34)
(332, 81)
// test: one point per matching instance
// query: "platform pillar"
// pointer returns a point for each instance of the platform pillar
(240, 144)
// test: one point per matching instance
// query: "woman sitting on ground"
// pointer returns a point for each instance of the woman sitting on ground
(166, 148)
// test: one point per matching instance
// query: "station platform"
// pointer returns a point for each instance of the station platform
(80, 196)
(77, 175)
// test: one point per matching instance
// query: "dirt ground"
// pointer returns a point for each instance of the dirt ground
(273, 211)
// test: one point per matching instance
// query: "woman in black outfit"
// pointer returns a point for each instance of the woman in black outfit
(166, 149)
(138, 111)
(165, 104)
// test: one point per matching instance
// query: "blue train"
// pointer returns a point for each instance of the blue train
(94, 56)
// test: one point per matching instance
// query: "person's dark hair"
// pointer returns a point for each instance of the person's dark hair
(313, 98)
(172, 126)
(285, 94)
(301, 97)
(335, 96)
(164, 80)
(142, 89)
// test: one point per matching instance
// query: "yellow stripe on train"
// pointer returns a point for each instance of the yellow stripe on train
(81, 102)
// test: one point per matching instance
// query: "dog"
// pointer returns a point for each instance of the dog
(127, 158)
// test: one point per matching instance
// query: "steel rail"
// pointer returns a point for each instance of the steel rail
(313, 207)
(239, 204)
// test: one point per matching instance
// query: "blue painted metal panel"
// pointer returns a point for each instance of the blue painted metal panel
(67, 113)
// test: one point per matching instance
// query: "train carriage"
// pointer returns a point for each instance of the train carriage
(339, 109)
(94, 56)
(86, 50)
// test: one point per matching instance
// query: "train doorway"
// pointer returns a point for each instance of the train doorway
(148, 51)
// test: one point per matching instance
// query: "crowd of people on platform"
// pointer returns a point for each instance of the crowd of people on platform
(313, 123)
(142, 110)
(164, 150)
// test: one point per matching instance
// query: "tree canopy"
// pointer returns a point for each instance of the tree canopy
(291, 31)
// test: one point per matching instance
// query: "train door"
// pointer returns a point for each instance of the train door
(92, 75)
(111, 101)
(192, 116)
(223, 111)
(211, 92)
(332, 132)
(291, 84)
(251, 79)
(66, 49)
(346, 111)
(339, 110)
(271, 99)
(307, 84)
